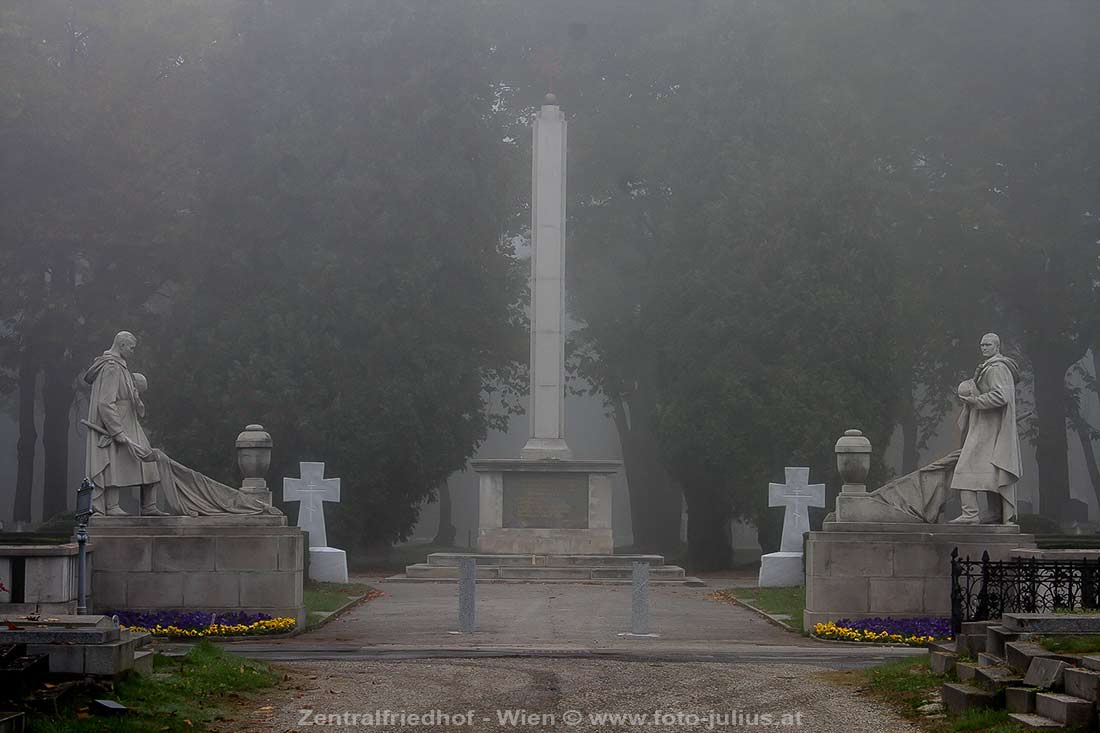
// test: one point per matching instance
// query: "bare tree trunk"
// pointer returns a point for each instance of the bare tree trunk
(445, 535)
(1052, 446)
(907, 419)
(710, 546)
(57, 401)
(637, 483)
(28, 434)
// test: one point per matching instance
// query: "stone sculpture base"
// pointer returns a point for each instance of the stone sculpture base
(221, 563)
(545, 507)
(40, 578)
(328, 565)
(602, 569)
(867, 569)
(781, 570)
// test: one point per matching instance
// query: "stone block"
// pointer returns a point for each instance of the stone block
(246, 553)
(291, 552)
(1032, 721)
(490, 501)
(897, 595)
(1045, 673)
(131, 554)
(211, 590)
(108, 590)
(108, 659)
(153, 590)
(1020, 699)
(269, 589)
(958, 697)
(599, 501)
(1064, 709)
(863, 559)
(143, 662)
(817, 558)
(840, 595)
(921, 560)
(966, 671)
(781, 570)
(1018, 654)
(941, 662)
(937, 596)
(1082, 683)
(12, 722)
(64, 658)
(1053, 623)
(183, 553)
(328, 565)
(48, 579)
(994, 677)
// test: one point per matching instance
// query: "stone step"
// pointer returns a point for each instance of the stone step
(1020, 699)
(941, 662)
(143, 662)
(529, 560)
(996, 677)
(91, 659)
(971, 644)
(1053, 623)
(506, 572)
(1065, 709)
(966, 671)
(958, 697)
(12, 722)
(1018, 654)
(1046, 673)
(687, 580)
(989, 660)
(996, 637)
(1082, 683)
(1030, 720)
(947, 647)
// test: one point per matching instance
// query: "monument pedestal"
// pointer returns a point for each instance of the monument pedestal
(219, 563)
(328, 565)
(781, 570)
(545, 507)
(901, 569)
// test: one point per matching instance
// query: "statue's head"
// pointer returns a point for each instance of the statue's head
(140, 382)
(990, 345)
(125, 343)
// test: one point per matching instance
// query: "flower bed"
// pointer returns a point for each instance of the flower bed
(909, 631)
(195, 624)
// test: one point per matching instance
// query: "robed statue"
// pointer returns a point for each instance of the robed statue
(119, 454)
(990, 458)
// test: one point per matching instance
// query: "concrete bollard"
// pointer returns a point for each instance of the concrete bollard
(639, 602)
(467, 590)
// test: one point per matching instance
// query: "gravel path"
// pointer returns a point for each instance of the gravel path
(554, 694)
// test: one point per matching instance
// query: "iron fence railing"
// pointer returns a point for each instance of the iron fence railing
(986, 589)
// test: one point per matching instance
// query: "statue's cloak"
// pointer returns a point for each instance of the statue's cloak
(990, 458)
(190, 493)
(115, 406)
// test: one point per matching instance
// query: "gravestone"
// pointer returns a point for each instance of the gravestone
(312, 490)
(784, 568)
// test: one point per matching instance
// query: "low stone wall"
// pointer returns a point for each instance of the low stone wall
(224, 563)
(867, 569)
(48, 578)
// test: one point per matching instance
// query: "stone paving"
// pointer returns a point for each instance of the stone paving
(545, 654)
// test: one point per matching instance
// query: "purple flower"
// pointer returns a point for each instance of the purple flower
(186, 619)
(939, 628)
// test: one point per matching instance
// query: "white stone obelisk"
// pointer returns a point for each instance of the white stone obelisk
(547, 405)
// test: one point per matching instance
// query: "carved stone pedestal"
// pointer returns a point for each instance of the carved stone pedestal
(546, 507)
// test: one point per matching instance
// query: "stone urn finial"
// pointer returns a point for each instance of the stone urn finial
(254, 458)
(853, 461)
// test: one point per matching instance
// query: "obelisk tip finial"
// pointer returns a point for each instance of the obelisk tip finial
(550, 99)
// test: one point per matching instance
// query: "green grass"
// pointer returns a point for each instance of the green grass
(907, 684)
(323, 598)
(1075, 644)
(791, 601)
(183, 694)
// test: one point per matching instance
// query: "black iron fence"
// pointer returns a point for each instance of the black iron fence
(986, 589)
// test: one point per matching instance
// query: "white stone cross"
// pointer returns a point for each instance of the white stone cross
(798, 495)
(312, 489)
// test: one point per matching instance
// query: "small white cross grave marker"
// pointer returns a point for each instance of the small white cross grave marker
(312, 489)
(797, 495)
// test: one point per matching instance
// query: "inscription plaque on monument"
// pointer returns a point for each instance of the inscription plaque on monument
(546, 500)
